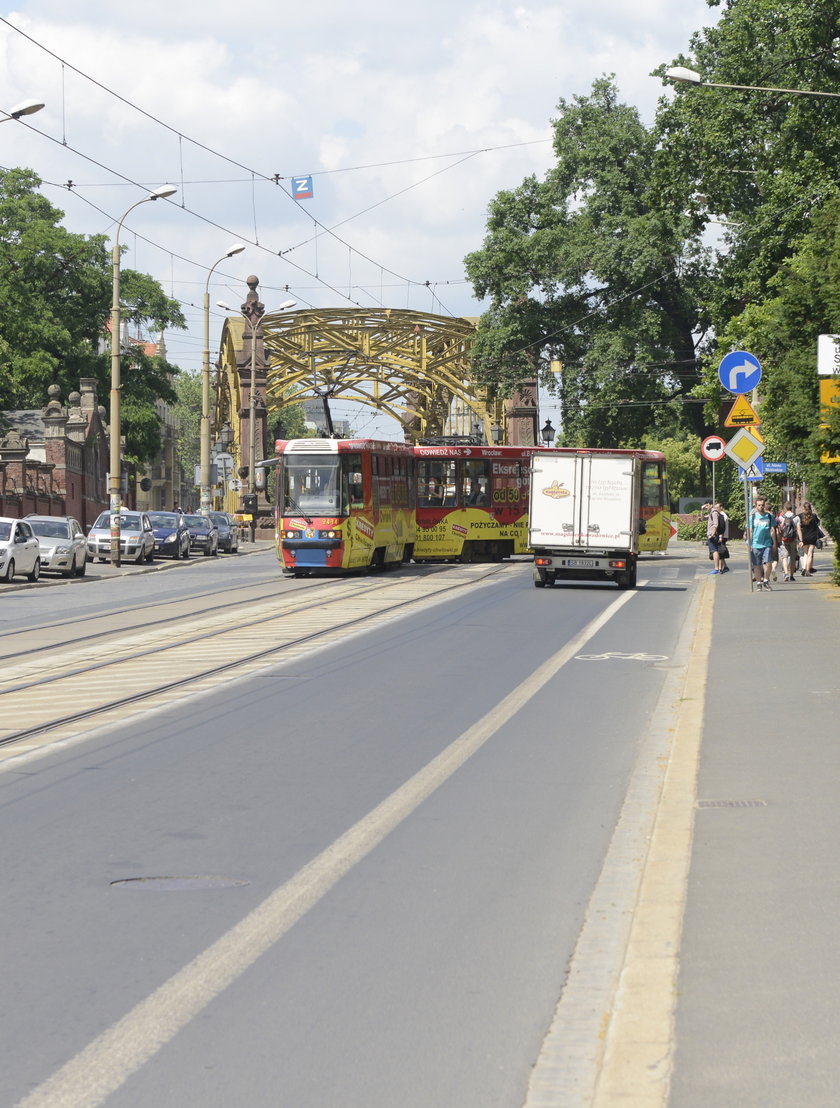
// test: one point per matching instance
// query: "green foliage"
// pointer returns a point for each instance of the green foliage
(55, 300)
(187, 409)
(695, 531)
(54, 296)
(783, 332)
(591, 268)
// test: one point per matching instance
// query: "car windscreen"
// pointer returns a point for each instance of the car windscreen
(5, 531)
(164, 519)
(127, 522)
(198, 523)
(220, 519)
(50, 528)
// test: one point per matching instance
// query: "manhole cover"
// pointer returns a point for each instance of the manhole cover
(178, 884)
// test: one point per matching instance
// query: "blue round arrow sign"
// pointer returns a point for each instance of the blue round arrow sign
(739, 372)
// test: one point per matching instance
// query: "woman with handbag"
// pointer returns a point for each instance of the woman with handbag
(809, 523)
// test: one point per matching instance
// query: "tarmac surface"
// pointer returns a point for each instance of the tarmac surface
(758, 1007)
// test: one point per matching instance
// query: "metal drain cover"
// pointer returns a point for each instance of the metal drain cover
(731, 803)
(179, 884)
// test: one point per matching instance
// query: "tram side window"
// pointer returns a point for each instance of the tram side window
(354, 485)
(475, 483)
(510, 484)
(654, 488)
(436, 484)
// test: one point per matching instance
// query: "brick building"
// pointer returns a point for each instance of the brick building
(54, 461)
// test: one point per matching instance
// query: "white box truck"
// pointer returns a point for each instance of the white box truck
(583, 521)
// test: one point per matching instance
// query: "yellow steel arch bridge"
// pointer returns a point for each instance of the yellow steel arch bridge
(412, 366)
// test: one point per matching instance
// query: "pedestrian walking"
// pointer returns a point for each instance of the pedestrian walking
(790, 537)
(723, 544)
(812, 534)
(763, 528)
(714, 536)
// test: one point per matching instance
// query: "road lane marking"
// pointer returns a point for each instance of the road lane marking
(611, 1038)
(109, 1060)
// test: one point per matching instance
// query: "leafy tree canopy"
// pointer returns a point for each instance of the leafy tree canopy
(591, 267)
(606, 264)
(55, 300)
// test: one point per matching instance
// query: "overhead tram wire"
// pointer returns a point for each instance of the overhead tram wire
(406, 281)
(273, 179)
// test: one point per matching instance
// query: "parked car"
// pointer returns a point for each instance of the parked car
(172, 537)
(204, 536)
(137, 540)
(19, 550)
(228, 530)
(63, 544)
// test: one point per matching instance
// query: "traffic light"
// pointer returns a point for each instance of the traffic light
(249, 503)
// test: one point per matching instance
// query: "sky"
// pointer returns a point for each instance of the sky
(409, 118)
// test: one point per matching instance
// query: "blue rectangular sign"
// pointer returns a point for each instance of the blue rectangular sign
(775, 467)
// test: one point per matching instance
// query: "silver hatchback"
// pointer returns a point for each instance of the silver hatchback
(137, 539)
(63, 544)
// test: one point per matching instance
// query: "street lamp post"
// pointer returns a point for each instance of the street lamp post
(692, 77)
(28, 107)
(547, 433)
(236, 248)
(115, 479)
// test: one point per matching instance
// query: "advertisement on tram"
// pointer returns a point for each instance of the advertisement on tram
(472, 502)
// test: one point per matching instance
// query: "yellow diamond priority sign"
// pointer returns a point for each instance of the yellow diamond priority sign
(743, 448)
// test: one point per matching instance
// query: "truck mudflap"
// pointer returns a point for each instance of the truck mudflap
(617, 566)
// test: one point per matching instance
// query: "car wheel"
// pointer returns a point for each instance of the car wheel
(141, 557)
(36, 571)
(9, 571)
(71, 569)
(80, 569)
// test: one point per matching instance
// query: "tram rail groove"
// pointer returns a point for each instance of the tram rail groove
(47, 723)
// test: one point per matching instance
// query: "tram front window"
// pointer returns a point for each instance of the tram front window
(311, 486)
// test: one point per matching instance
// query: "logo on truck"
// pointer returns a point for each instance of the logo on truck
(556, 491)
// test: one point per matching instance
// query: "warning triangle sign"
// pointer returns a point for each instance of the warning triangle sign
(742, 414)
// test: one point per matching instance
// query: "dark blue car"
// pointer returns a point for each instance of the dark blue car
(172, 536)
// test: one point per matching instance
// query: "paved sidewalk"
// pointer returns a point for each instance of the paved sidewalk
(758, 1012)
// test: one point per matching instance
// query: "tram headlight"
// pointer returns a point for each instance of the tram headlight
(330, 534)
(289, 534)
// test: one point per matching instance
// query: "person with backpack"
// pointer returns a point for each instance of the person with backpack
(715, 527)
(790, 536)
(763, 531)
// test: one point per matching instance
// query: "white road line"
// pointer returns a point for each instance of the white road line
(107, 1062)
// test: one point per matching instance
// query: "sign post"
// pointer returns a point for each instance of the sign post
(739, 373)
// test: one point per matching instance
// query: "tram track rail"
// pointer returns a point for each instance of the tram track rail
(55, 694)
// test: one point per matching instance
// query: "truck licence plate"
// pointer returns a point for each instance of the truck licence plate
(580, 563)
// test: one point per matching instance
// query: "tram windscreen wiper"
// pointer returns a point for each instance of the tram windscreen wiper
(293, 504)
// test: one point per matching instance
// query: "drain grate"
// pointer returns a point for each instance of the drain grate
(731, 803)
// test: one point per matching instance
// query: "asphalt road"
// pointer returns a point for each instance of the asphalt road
(373, 865)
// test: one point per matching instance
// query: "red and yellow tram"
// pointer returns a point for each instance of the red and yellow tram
(352, 504)
(343, 504)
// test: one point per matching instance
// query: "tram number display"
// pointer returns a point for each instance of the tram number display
(506, 496)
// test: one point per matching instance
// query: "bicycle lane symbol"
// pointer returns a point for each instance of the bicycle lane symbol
(621, 656)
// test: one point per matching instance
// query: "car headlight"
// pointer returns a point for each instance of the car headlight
(62, 550)
(170, 538)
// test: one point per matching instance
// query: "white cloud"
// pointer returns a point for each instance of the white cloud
(288, 89)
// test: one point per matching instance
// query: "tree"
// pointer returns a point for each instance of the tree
(762, 161)
(55, 299)
(783, 332)
(593, 268)
(187, 409)
(54, 296)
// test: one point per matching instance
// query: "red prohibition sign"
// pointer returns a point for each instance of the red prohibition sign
(713, 448)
